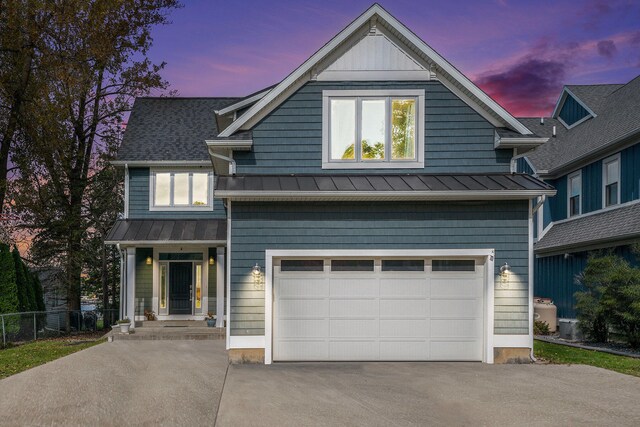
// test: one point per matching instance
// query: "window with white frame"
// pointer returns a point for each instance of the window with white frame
(575, 193)
(611, 181)
(180, 189)
(373, 129)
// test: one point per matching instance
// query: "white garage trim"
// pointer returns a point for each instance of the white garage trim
(488, 290)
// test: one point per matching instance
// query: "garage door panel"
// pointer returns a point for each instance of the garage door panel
(301, 308)
(302, 350)
(456, 328)
(303, 328)
(302, 287)
(374, 315)
(456, 350)
(353, 287)
(455, 287)
(404, 350)
(403, 287)
(404, 307)
(354, 328)
(353, 350)
(404, 328)
(455, 308)
(353, 308)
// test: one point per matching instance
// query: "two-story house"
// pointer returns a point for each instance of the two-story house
(361, 209)
(592, 158)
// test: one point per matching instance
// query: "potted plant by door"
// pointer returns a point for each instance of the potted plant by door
(211, 320)
(125, 324)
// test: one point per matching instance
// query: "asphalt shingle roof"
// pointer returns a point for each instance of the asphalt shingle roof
(618, 117)
(610, 225)
(171, 128)
(594, 95)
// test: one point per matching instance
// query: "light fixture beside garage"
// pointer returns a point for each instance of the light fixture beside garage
(505, 269)
(149, 261)
(256, 272)
(211, 261)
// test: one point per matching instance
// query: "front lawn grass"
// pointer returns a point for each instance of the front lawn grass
(26, 356)
(562, 354)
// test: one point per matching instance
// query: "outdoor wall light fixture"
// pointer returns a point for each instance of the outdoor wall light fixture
(256, 270)
(505, 270)
(149, 260)
(211, 261)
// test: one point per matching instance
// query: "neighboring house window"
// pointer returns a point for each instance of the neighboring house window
(611, 181)
(179, 190)
(373, 129)
(575, 194)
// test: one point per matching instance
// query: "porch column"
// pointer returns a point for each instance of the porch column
(131, 286)
(220, 275)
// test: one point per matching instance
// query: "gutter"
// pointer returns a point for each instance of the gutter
(232, 163)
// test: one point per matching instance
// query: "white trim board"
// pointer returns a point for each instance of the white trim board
(242, 103)
(361, 26)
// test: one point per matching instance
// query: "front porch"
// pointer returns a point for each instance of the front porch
(171, 269)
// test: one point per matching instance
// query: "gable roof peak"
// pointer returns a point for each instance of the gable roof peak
(447, 73)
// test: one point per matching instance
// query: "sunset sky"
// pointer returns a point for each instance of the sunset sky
(520, 52)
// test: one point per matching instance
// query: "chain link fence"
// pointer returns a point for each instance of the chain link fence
(35, 325)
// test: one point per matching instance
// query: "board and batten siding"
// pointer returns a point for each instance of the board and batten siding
(501, 225)
(572, 111)
(212, 282)
(556, 276)
(144, 281)
(289, 139)
(139, 201)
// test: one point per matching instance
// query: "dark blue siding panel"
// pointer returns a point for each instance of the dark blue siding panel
(572, 111)
(256, 227)
(523, 166)
(592, 187)
(555, 277)
(630, 170)
(289, 139)
(139, 201)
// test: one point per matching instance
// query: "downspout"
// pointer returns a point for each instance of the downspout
(533, 211)
(232, 163)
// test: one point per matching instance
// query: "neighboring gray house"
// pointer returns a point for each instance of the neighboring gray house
(361, 209)
(594, 162)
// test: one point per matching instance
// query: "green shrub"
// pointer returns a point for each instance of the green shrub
(540, 328)
(610, 300)
(9, 302)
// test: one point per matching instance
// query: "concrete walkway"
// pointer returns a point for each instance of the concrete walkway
(181, 383)
(118, 384)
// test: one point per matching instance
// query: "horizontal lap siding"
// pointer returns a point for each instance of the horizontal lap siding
(139, 201)
(260, 226)
(289, 139)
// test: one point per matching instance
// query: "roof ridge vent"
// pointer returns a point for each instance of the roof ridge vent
(554, 131)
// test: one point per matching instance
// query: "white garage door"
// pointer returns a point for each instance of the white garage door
(378, 309)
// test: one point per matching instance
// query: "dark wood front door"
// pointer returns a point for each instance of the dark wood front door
(180, 283)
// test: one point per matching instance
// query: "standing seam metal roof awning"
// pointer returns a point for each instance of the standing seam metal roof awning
(387, 186)
(165, 231)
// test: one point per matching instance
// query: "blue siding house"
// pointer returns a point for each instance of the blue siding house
(363, 208)
(592, 158)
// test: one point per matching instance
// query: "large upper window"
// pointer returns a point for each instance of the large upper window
(373, 129)
(575, 193)
(611, 181)
(180, 190)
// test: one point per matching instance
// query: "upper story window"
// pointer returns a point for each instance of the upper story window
(575, 193)
(180, 190)
(373, 129)
(611, 181)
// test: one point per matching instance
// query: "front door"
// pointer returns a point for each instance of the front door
(180, 287)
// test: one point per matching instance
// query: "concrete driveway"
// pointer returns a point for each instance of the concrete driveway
(181, 383)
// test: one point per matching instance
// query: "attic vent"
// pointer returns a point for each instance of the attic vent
(373, 30)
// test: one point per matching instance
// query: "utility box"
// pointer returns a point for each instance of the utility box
(569, 330)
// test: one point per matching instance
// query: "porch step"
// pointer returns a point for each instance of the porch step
(169, 333)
